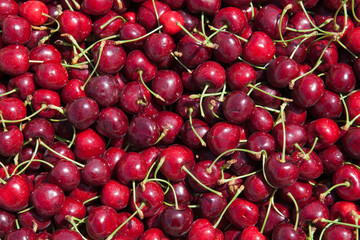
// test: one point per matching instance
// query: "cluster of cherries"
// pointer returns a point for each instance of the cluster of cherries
(179, 119)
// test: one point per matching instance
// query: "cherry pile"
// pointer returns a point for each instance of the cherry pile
(179, 119)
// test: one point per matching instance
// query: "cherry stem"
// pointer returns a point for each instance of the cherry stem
(203, 43)
(254, 66)
(28, 162)
(195, 96)
(8, 93)
(161, 162)
(163, 133)
(241, 188)
(5, 170)
(127, 220)
(222, 181)
(2, 181)
(178, 60)
(252, 11)
(324, 194)
(203, 24)
(312, 147)
(237, 36)
(305, 156)
(336, 26)
(138, 210)
(69, 5)
(73, 137)
(353, 10)
(55, 20)
(282, 107)
(264, 173)
(31, 159)
(156, 13)
(268, 211)
(346, 48)
(286, 8)
(77, 5)
(272, 95)
(199, 182)
(268, 109)
(108, 22)
(149, 172)
(340, 223)
(356, 218)
(190, 111)
(305, 37)
(216, 32)
(326, 227)
(43, 106)
(59, 154)
(26, 210)
(3, 122)
(169, 184)
(202, 98)
(140, 72)
(102, 45)
(91, 199)
(257, 154)
(71, 221)
(308, 18)
(139, 38)
(296, 208)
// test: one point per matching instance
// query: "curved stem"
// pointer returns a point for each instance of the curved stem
(110, 20)
(199, 182)
(282, 107)
(138, 210)
(26, 118)
(156, 13)
(9, 92)
(202, 98)
(203, 143)
(353, 11)
(326, 227)
(267, 212)
(5, 170)
(216, 32)
(241, 188)
(55, 20)
(102, 45)
(264, 173)
(272, 95)
(254, 66)
(297, 210)
(286, 8)
(222, 181)
(308, 18)
(324, 194)
(69, 5)
(169, 184)
(91, 199)
(178, 60)
(140, 72)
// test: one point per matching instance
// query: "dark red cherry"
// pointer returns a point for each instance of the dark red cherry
(268, 20)
(169, 19)
(101, 222)
(132, 229)
(7, 223)
(188, 136)
(229, 47)
(222, 137)
(168, 85)
(72, 90)
(260, 141)
(281, 71)
(24, 85)
(131, 167)
(208, 7)
(51, 75)
(274, 217)
(134, 98)
(22, 233)
(233, 18)
(47, 199)
(295, 134)
(238, 107)
(14, 194)
(260, 120)
(158, 46)
(65, 174)
(146, 13)
(65, 234)
(286, 230)
(325, 129)
(88, 144)
(347, 173)
(110, 29)
(75, 23)
(256, 188)
(329, 58)
(15, 30)
(30, 218)
(45, 97)
(242, 213)
(239, 75)
(143, 131)
(115, 195)
(39, 128)
(96, 7)
(259, 50)
(176, 222)
(7, 8)
(59, 147)
(338, 232)
(82, 112)
(201, 229)
(137, 62)
(96, 172)
(340, 78)
(308, 90)
(353, 103)
(171, 123)
(14, 60)
(104, 89)
(312, 211)
(112, 122)
(328, 106)
(11, 141)
(132, 30)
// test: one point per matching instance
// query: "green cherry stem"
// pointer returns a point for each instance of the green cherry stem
(272, 95)
(286, 8)
(190, 111)
(353, 11)
(202, 98)
(140, 72)
(110, 21)
(240, 189)
(297, 210)
(169, 184)
(138, 210)
(91, 199)
(264, 173)
(9, 92)
(222, 181)
(326, 227)
(324, 194)
(268, 211)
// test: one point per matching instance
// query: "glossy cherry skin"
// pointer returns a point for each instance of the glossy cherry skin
(11, 142)
(239, 75)
(134, 98)
(158, 46)
(312, 211)
(337, 232)
(84, 192)
(328, 106)
(274, 217)
(286, 230)
(112, 58)
(101, 222)
(183, 193)
(75, 23)
(59, 147)
(281, 174)
(87, 144)
(260, 121)
(146, 14)
(256, 188)
(143, 131)
(33, 12)
(29, 218)
(104, 89)
(96, 7)
(169, 19)
(264, 99)
(111, 29)
(15, 30)
(170, 121)
(242, 213)
(232, 17)
(22, 233)
(343, 210)
(153, 234)
(204, 174)
(45, 97)
(229, 47)
(308, 90)
(329, 58)
(350, 143)
(340, 78)
(176, 222)
(7, 223)
(24, 85)
(51, 75)
(281, 71)
(65, 174)
(65, 234)
(82, 112)
(310, 168)
(7, 8)
(137, 61)
(222, 137)
(152, 195)
(115, 195)
(252, 232)
(132, 229)
(208, 7)
(347, 173)
(188, 136)
(349, 40)
(112, 122)
(168, 85)
(132, 30)
(175, 157)
(47, 199)
(295, 133)
(14, 60)
(39, 128)
(201, 229)
(259, 141)
(268, 21)
(259, 50)
(14, 194)
(210, 74)
(71, 207)
(131, 167)
(238, 107)
(326, 130)
(44, 52)
(96, 172)
(353, 103)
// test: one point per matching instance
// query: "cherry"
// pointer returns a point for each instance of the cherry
(100, 27)
(14, 194)
(11, 142)
(233, 18)
(7, 223)
(15, 30)
(96, 7)
(343, 210)
(325, 130)
(338, 232)
(63, 150)
(238, 107)
(308, 90)
(264, 96)
(201, 229)
(14, 60)
(328, 58)
(72, 90)
(168, 85)
(286, 230)
(64, 174)
(132, 229)
(84, 192)
(112, 122)
(65, 234)
(340, 78)
(188, 135)
(176, 222)
(104, 89)
(313, 211)
(171, 123)
(183, 194)
(22, 233)
(7, 8)
(281, 71)
(260, 141)
(71, 208)
(82, 112)
(23, 84)
(260, 120)
(101, 222)
(143, 131)
(176, 157)
(12, 109)
(295, 135)
(146, 15)
(47, 199)
(280, 172)
(134, 97)
(46, 52)
(242, 213)
(353, 103)
(48, 98)
(268, 21)
(295, 114)
(75, 23)
(34, 11)
(256, 188)
(153, 234)
(259, 50)
(328, 106)
(115, 195)
(30, 218)
(239, 75)
(51, 75)
(132, 30)
(252, 233)
(131, 167)
(169, 20)
(88, 144)
(158, 46)
(137, 64)
(347, 174)
(274, 217)
(96, 172)
(207, 7)
(205, 172)
(39, 128)
(222, 137)
(229, 47)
